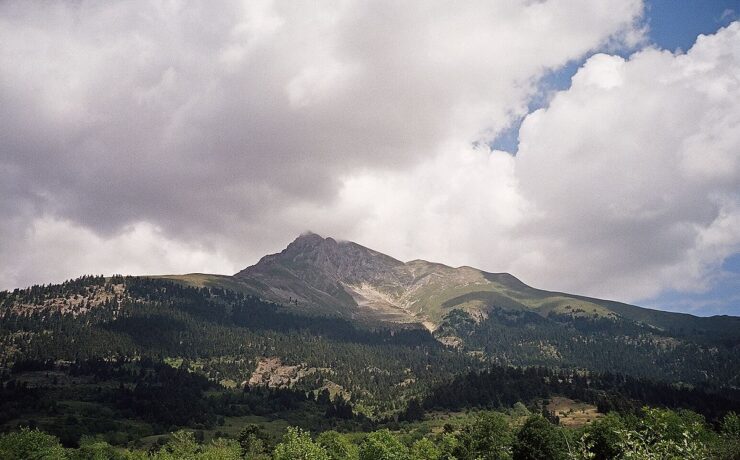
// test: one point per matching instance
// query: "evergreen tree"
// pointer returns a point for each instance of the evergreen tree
(253, 441)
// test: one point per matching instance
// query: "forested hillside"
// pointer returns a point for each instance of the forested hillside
(524, 338)
(130, 359)
(221, 333)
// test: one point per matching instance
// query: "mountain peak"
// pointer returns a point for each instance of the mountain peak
(314, 270)
(344, 278)
(336, 259)
(307, 239)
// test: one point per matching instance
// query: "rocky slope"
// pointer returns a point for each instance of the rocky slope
(324, 276)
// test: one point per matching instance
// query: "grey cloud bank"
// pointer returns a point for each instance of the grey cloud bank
(146, 137)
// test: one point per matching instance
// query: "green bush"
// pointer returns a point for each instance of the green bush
(297, 445)
(603, 437)
(383, 445)
(28, 444)
(488, 438)
(424, 449)
(93, 449)
(665, 434)
(338, 446)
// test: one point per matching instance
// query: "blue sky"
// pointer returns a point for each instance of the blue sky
(676, 23)
(672, 25)
(722, 298)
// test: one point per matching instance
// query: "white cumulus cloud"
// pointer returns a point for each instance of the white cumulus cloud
(218, 134)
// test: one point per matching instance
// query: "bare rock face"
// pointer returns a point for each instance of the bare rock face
(314, 259)
(273, 373)
(314, 272)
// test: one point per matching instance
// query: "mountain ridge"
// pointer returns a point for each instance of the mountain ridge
(338, 291)
(325, 276)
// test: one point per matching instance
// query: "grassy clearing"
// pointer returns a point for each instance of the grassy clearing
(573, 413)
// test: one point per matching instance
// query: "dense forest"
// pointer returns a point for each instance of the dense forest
(525, 338)
(116, 365)
(500, 387)
(223, 334)
(124, 400)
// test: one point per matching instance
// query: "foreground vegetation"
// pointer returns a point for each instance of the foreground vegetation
(654, 434)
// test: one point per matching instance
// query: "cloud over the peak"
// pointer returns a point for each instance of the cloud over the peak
(191, 130)
(217, 125)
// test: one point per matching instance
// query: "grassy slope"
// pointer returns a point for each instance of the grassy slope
(453, 288)
(208, 280)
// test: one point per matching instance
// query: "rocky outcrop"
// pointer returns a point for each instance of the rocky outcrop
(273, 373)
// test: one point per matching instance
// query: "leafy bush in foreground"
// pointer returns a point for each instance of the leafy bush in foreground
(657, 434)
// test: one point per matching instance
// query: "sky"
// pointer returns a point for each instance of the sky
(586, 146)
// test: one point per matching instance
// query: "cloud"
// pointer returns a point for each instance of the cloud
(728, 15)
(636, 169)
(51, 246)
(229, 127)
(462, 206)
(146, 137)
(625, 186)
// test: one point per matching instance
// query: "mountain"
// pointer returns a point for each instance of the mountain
(334, 318)
(494, 315)
(339, 291)
(348, 279)
(128, 358)
(328, 276)
(318, 275)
